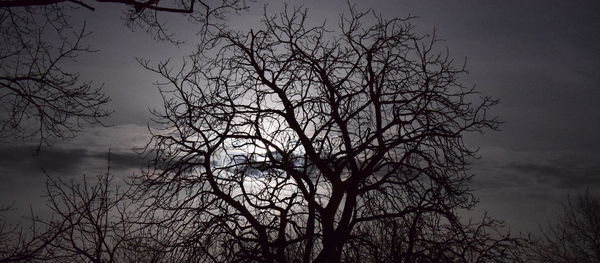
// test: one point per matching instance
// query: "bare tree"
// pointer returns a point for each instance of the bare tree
(139, 14)
(25, 244)
(575, 237)
(16, 244)
(89, 221)
(41, 99)
(38, 97)
(425, 237)
(282, 143)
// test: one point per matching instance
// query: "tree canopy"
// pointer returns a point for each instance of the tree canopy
(286, 142)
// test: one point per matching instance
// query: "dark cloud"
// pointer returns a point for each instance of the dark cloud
(18, 161)
(123, 160)
(22, 176)
(23, 160)
(558, 175)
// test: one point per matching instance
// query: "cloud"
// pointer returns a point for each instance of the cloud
(122, 160)
(502, 167)
(559, 175)
(118, 138)
(22, 160)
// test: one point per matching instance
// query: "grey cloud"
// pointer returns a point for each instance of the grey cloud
(502, 168)
(23, 161)
(22, 174)
(559, 175)
(122, 160)
(536, 169)
(19, 161)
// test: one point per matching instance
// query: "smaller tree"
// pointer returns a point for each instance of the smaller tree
(575, 237)
(90, 218)
(427, 237)
(88, 223)
(16, 244)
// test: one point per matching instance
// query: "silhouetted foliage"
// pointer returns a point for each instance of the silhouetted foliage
(295, 143)
(575, 237)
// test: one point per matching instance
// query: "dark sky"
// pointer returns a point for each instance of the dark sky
(540, 58)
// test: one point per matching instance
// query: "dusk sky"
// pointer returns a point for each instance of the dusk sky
(541, 59)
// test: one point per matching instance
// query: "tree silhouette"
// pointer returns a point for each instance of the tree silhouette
(16, 243)
(139, 14)
(284, 143)
(39, 97)
(575, 237)
(425, 237)
(88, 223)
